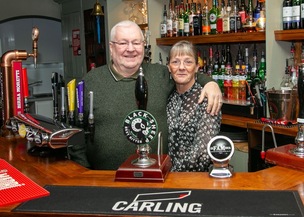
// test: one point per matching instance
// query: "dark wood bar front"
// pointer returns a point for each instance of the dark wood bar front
(52, 171)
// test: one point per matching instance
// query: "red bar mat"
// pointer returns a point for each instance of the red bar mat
(16, 187)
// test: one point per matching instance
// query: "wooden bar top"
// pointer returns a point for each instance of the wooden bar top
(55, 171)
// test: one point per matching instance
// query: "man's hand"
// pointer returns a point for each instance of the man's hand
(212, 91)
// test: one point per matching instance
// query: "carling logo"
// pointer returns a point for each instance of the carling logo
(160, 202)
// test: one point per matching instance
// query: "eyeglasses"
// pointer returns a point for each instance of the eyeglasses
(187, 63)
(125, 44)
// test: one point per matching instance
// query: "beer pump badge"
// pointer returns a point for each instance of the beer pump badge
(140, 127)
(220, 148)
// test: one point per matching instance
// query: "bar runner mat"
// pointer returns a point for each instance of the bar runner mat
(165, 202)
(15, 187)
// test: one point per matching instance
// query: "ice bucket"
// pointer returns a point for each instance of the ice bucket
(282, 104)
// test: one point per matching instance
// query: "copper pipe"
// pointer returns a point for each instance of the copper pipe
(8, 82)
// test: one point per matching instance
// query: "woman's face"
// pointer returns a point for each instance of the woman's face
(183, 69)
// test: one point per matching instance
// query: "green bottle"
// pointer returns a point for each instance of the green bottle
(262, 68)
(213, 16)
(181, 20)
(186, 20)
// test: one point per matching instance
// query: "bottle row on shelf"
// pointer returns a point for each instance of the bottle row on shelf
(188, 19)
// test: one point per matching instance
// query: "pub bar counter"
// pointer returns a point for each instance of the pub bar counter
(63, 172)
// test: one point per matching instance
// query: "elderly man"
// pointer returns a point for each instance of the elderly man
(113, 86)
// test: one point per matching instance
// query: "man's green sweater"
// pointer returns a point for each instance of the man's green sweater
(114, 99)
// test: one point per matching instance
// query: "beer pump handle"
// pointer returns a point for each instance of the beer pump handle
(141, 90)
(91, 124)
(25, 90)
(80, 105)
(55, 94)
(35, 35)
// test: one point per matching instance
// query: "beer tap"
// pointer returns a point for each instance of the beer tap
(80, 104)
(35, 34)
(141, 90)
(7, 78)
(63, 117)
(91, 126)
(55, 94)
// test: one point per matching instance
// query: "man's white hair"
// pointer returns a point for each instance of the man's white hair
(125, 23)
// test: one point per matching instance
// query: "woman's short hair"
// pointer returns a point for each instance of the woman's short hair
(183, 48)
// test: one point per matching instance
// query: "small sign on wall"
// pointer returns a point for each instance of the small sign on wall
(76, 42)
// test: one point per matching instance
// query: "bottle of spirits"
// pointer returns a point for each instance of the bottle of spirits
(210, 64)
(242, 84)
(235, 20)
(221, 77)
(287, 14)
(205, 19)
(197, 21)
(257, 9)
(243, 12)
(262, 68)
(175, 20)
(296, 14)
(247, 72)
(286, 83)
(181, 20)
(191, 17)
(219, 22)
(235, 82)
(250, 23)
(163, 25)
(226, 18)
(254, 62)
(170, 21)
(213, 15)
(186, 21)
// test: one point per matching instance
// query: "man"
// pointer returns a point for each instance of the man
(113, 86)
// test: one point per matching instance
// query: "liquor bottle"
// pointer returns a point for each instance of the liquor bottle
(170, 21)
(219, 22)
(287, 14)
(197, 21)
(226, 18)
(301, 92)
(228, 82)
(235, 82)
(181, 20)
(302, 14)
(200, 62)
(215, 73)
(205, 67)
(286, 83)
(250, 23)
(254, 62)
(186, 21)
(257, 10)
(210, 63)
(228, 56)
(242, 84)
(247, 72)
(191, 17)
(175, 21)
(217, 58)
(205, 19)
(262, 68)
(235, 20)
(221, 75)
(213, 15)
(163, 24)
(243, 12)
(296, 14)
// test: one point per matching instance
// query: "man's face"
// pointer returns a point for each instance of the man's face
(127, 50)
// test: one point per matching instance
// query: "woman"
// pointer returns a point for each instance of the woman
(190, 126)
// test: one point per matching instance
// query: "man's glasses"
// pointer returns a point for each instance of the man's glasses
(125, 44)
(187, 63)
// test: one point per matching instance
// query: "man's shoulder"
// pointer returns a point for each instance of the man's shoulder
(97, 72)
